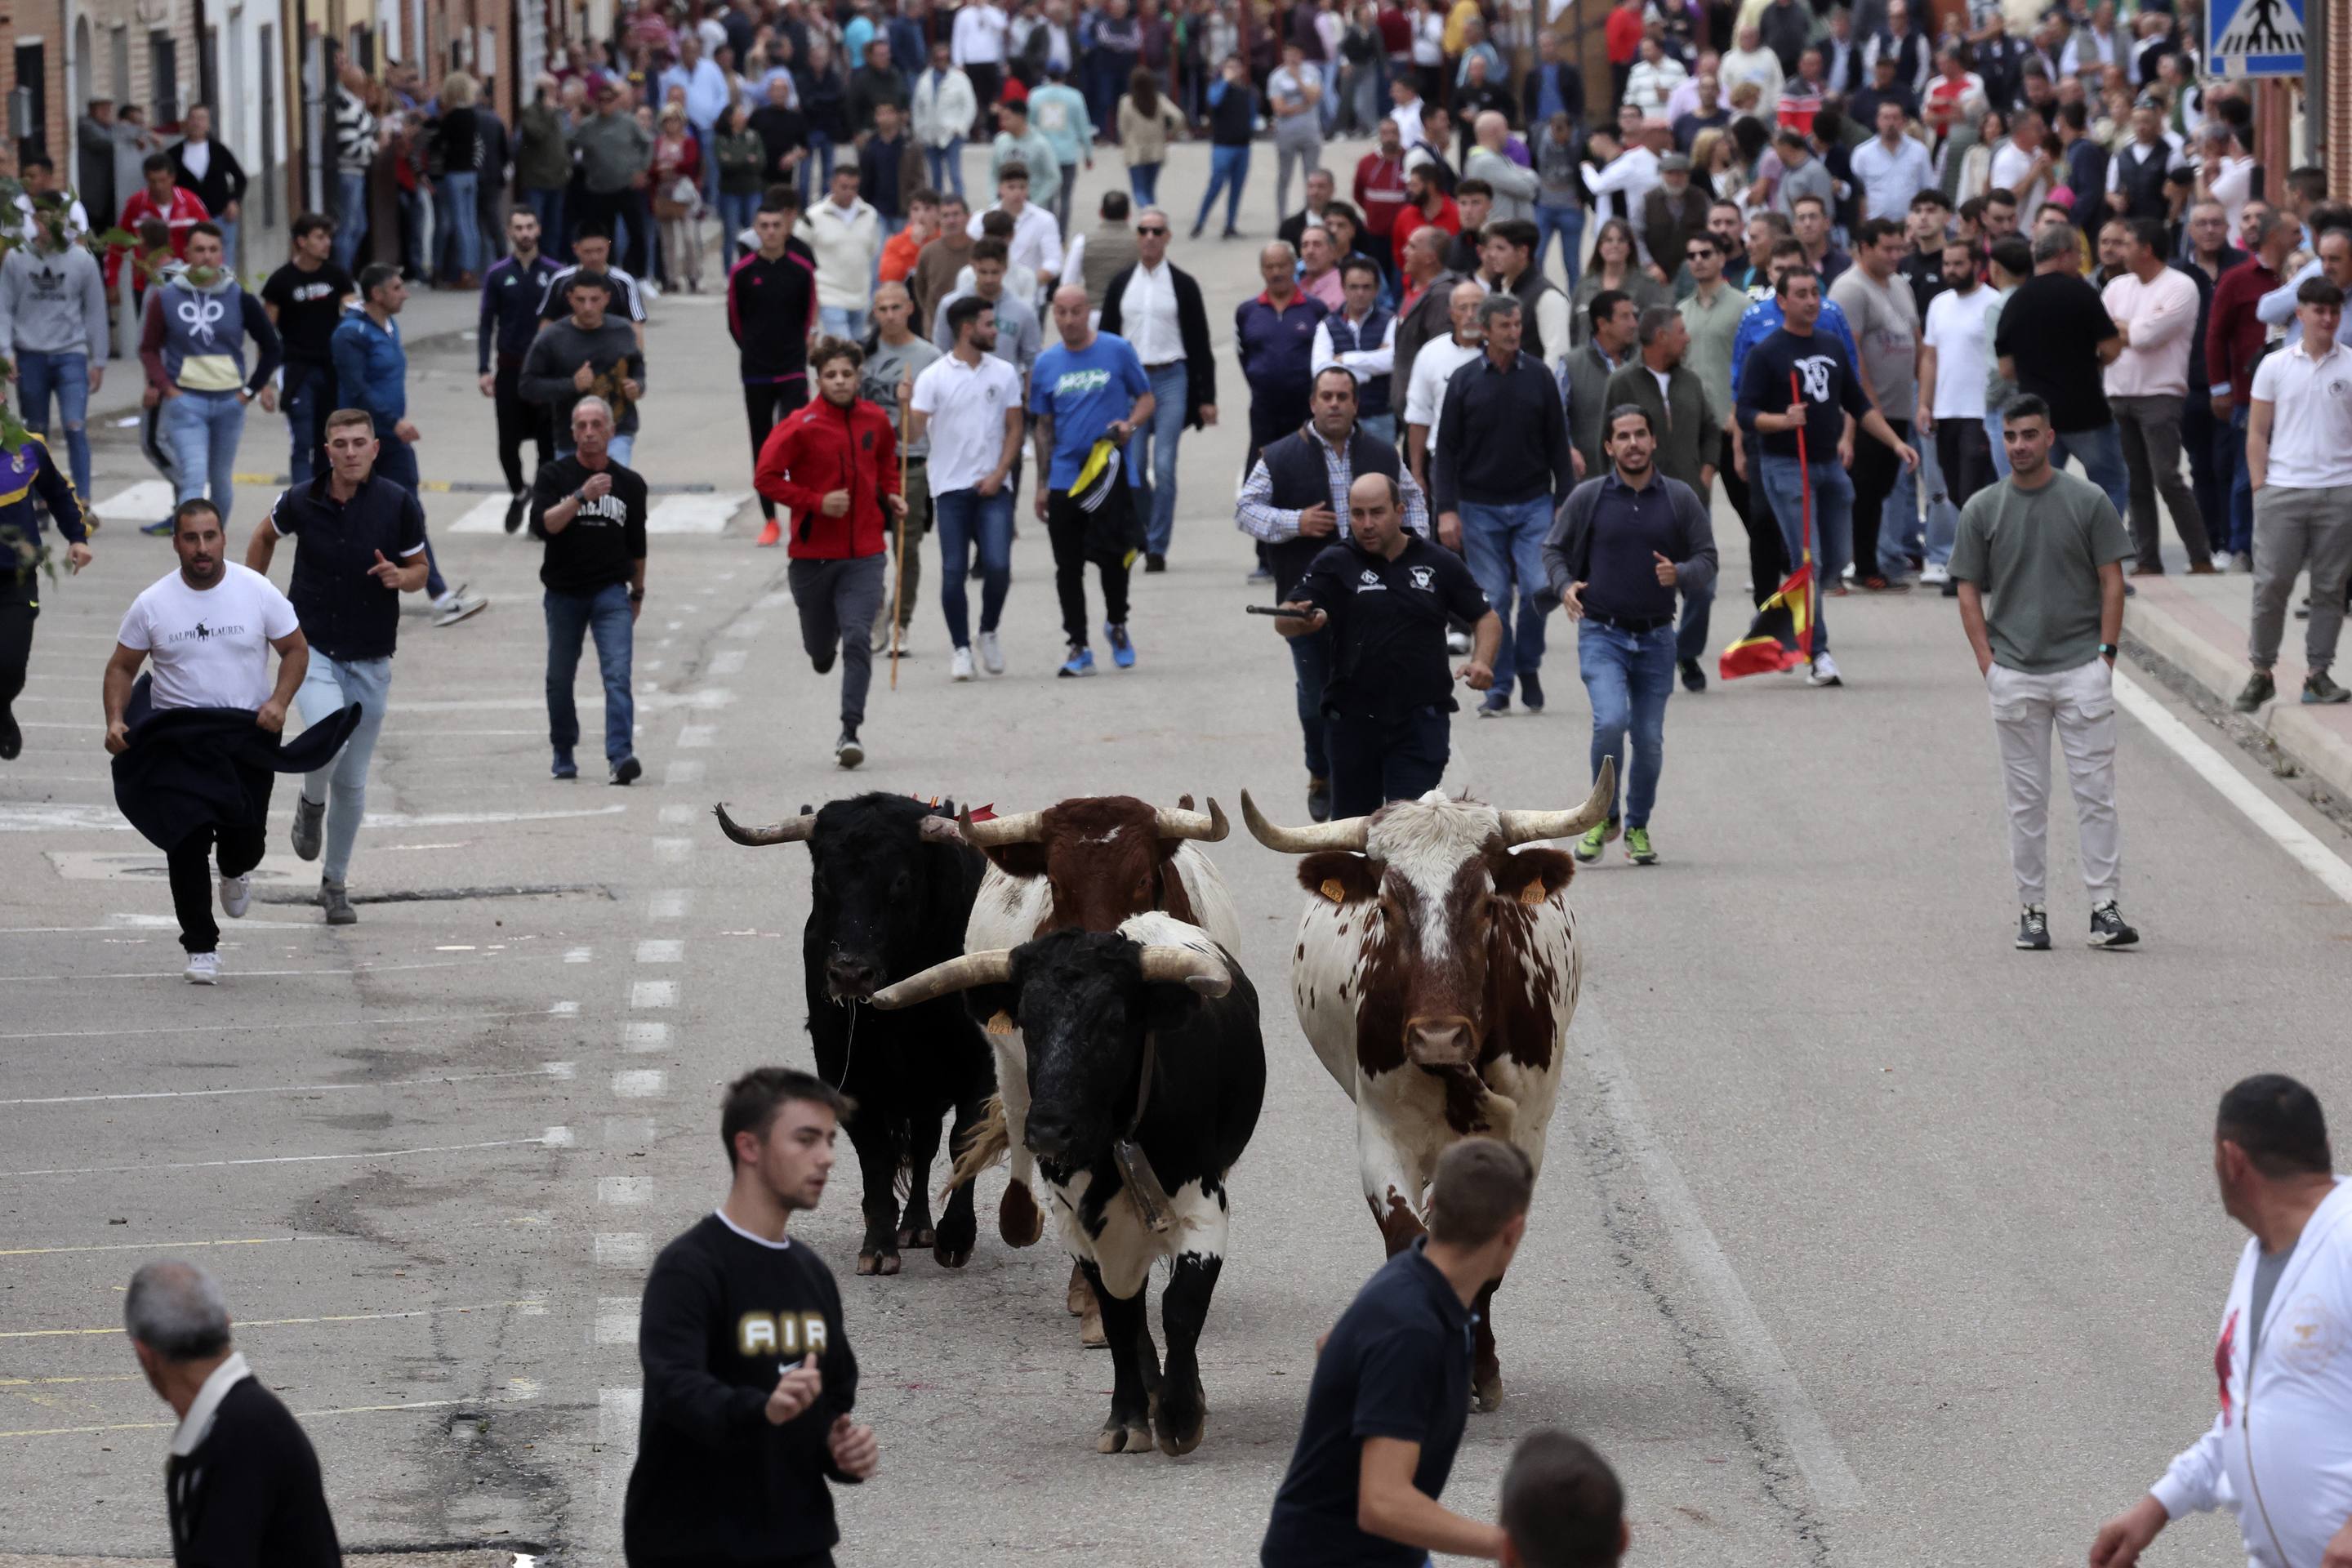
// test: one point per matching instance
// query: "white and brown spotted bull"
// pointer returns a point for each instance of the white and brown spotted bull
(1086, 864)
(1435, 974)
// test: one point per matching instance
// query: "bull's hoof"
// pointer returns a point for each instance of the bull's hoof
(884, 1261)
(1487, 1394)
(951, 1243)
(1119, 1438)
(1018, 1220)
(950, 1257)
(913, 1235)
(1090, 1330)
(1182, 1424)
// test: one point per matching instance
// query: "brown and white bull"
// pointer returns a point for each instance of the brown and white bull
(1089, 863)
(1435, 974)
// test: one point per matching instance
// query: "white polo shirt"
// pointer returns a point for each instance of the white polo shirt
(1148, 314)
(965, 405)
(2311, 416)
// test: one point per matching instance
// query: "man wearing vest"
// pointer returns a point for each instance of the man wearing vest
(1296, 501)
(1506, 252)
(1157, 307)
(2136, 174)
(1361, 339)
(193, 346)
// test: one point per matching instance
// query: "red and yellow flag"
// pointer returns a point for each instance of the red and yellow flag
(1781, 635)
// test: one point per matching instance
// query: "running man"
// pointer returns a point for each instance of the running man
(1087, 389)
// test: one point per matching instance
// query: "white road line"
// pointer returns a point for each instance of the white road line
(653, 994)
(670, 903)
(640, 1083)
(170, 1246)
(303, 1415)
(538, 1142)
(2307, 849)
(1763, 1364)
(616, 1320)
(144, 503)
(694, 513)
(624, 1190)
(695, 737)
(109, 818)
(243, 1027)
(578, 954)
(677, 816)
(673, 849)
(545, 1070)
(685, 771)
(631, 1249)
(488, 515)
(661, 950)
(242, 973)
(644, 1036)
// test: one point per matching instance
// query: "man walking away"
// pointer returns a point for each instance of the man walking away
(305, 298)
(1562, 1506)
(209, 627)
(193, 346)
(1157, 307)
(241, 1483)
(1502, 466)
(1390, 1394)
(592, 354)
(2049, 549)
(359, 544)
(771, 313)
(52, 332)
(1086, 390)
(895, 358)
(2299, 461)
(1624, 545)
(967, 406)
(750, 1380)
(2054, 340)
(1953, 368)
(835, 465)
(511, 294)
(590, 509)
(2154, 307)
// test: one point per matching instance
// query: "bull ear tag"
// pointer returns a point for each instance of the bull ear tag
(1533, 893)
(1000, 1023)
(1335, 890)
(1143, 1188)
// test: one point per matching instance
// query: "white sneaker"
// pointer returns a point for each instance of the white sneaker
(1846, 571)
(992, 655)
(456, 607)
(204, 969)
(236, 895)
(959, 668)
(1825, 670)
(1931, 572)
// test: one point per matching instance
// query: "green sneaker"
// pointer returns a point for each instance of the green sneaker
(1588, 848)
(1637, 846)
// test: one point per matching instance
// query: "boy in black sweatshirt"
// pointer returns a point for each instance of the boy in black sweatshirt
(749, 1375)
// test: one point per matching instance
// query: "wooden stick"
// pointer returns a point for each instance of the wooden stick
(898, 588)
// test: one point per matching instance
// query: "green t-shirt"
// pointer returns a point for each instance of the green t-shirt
(2037, 553)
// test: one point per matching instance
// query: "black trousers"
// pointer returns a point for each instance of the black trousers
(1767, 552)
(1067, 526)
(1875, 466)
(769, 403)
(1375, 760)
(307, 416)
(20, 607)
(518, 422)
(1964, 452)
(237, 851)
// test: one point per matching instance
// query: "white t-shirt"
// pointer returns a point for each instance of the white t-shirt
(1431, 368)
(2011, 164)
(965, 405)
(1956, 330)
(209, 648)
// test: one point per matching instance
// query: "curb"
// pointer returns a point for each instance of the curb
(2321, 753)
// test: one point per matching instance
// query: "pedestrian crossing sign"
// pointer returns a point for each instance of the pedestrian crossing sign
(2255, 38)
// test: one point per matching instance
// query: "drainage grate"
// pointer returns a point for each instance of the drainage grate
(440, 895)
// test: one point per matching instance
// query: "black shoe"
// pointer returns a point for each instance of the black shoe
(1951, 587)
(12, 739)
(2033, 929)
(1530, 691)
(847, 751)
(628, 770)
(514, 512)
(823, 662)
(1155, 563)
(1318, 799)
(1694, 677)
(2259, 689)
(2108, 928)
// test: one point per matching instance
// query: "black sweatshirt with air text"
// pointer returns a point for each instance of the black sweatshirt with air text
(724, 1315)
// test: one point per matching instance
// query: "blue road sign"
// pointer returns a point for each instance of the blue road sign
(2255, 37)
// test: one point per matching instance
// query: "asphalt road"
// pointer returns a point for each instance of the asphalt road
(1863, 1239)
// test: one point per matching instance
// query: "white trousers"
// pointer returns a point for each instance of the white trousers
(2079, 704)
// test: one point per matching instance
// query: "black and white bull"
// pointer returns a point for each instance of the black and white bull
(891, 884)
(1146, 1072)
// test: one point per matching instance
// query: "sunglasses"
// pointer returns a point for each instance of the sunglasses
(1142, 229)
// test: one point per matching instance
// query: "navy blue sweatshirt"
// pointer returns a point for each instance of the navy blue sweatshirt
(1826, 377)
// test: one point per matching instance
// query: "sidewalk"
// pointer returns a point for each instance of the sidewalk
(2201, 625)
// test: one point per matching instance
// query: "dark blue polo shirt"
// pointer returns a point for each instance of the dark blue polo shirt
(345, 613)
(1397, 1365)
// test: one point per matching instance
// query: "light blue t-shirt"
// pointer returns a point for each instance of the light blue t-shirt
(1085, 391)
(1059, 114)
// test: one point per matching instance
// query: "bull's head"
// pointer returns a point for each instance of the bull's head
(1083, 1001)
(1433, 879)
(1104, 858)
(871, 870)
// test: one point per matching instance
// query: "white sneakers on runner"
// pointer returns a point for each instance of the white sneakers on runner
(960, 666)
(992, 655)
(204, 969)
(236, 895)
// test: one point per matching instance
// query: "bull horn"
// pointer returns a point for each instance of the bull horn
(1183, 822)
(1527, 827)
(792, 830)
(1346, 834)
(993, 967)
(1020, 827)
(1202, 972)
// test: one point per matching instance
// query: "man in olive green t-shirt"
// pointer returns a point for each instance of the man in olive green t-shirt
(2048, 549)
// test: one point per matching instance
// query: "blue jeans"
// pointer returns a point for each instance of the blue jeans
(736, 211)
(570, 617)
(816, 169)
(1378, 427)
(306, 398)
(841, 321)
(1143, 183)
(411, 231)
(620, 448)
(352, 216)
(68, 375)
(1898, 519)
(458, 194)
(2101, 453)
(1377, 760)
(1833, 524)
(201, 428)
(1504, 544)
(1943, 513)
(548, 204)
(227, 225)
(965, 519)
(1228, 172)
(1690, 636)
(2242, 488)
(1569, 224)
(1151, 451)
(2000, 451)
(330, 686)
(395, 460)
(1628, 676)
(1310, 662)
(946, 166)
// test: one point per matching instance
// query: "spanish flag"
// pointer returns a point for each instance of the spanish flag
(1781, 635)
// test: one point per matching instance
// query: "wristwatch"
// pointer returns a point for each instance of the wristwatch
(2106, 650)
(636, 595)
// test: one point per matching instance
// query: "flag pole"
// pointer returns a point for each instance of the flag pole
(1805, 509)
(899, 587)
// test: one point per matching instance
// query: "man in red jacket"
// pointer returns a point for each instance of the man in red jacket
(1380, 194)
(166, 201)
(835, 465)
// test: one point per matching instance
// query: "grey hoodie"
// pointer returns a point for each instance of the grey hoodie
(52, 302)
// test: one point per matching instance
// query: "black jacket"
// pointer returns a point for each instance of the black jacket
(1192, 325)
(223, 180)
(186, 767)
(1570, 82)
(249, 1495)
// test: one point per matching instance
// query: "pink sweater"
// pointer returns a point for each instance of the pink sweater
(2157, 320)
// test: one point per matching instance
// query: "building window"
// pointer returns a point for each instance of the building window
(164, 80)
(33, 96)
